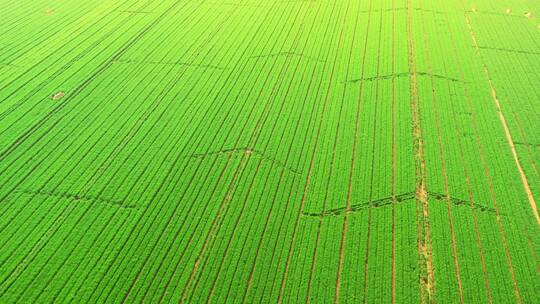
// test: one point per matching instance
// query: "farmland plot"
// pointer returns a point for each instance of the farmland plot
(248, 151)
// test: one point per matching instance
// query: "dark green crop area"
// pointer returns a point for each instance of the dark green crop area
(278, 151)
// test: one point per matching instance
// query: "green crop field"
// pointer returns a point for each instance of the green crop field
(279, 151)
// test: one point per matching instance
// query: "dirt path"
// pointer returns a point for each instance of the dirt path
(425, 254)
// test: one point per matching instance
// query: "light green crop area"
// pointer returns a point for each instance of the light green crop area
(250, 151)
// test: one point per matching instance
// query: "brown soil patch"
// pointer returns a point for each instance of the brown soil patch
(58, 95)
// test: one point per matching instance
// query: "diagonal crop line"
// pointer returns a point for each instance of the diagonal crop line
(402, 75)
(248, 151)
(491, 48)
(173, 63)
(73, 198)
(289, 54)
(398, 199)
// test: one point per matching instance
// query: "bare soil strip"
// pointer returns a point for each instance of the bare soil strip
(426, 273)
